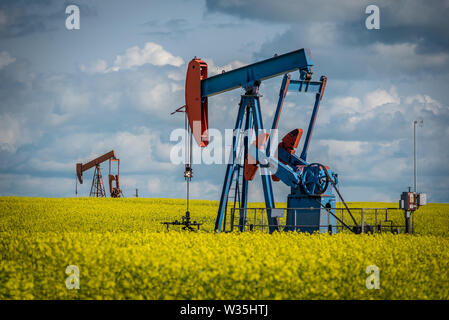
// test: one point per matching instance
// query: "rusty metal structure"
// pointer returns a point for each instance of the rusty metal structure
(97, 187)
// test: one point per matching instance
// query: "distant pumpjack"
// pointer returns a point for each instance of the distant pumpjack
(97, 187)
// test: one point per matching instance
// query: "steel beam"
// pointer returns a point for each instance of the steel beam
(246, 76)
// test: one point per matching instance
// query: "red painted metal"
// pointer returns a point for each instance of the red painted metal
(80, 168)
(323, 87)
(196, 107)
(250, 166)
(291, 140)
(289, 143)
(97, 187)
(115, 192)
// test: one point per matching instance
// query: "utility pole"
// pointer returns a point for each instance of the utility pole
(420, 122)
(137, 193)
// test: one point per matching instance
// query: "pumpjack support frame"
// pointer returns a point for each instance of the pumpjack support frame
(290, 168)
(249, 109)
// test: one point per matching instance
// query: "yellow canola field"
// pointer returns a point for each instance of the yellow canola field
(121, 253)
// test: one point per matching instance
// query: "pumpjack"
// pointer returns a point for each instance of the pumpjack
(97, 188)
(312, 184)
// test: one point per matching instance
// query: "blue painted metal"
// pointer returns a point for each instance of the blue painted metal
(292, 159)
(249, 105)
(286, 173)
(305, 179)
(244, 203)
(286, 80)
(230, 168)
(294, 171)
(265, 174)
(305, 86)
(247, 76)
(313, 218)
(316, 106)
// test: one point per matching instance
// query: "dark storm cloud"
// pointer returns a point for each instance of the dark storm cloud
(419, 22)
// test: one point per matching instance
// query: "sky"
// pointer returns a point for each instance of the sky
(67, 96)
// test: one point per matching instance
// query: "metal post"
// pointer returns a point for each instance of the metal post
(414, 152)
(407, 221)
(363, 221)
(415, 122)
(255, 219)
(294, 227)
(375, 212)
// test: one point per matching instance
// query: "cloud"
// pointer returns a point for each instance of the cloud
(290, 10)
(214, 69)
(171, 28)
(400, 21)
(23, 18)
(163, 186)
(367, 138)
(5, 59)
(412, 40)
(12, 133)
(379, 82)
(35, 186)
(99, 66)
(407, 55)
(379, 98)
(341, 148)
(152, 53)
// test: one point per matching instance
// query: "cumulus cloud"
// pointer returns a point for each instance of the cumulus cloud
(151, 53)
(401, 20)
(379, 98)
(99, 66)
(5, 59)
(12, 133)
(158, 186)
(35, 186)
(379, 82)
(343, 148)
(214, 69)
(407, 55)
